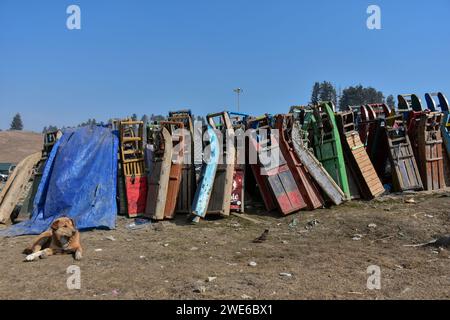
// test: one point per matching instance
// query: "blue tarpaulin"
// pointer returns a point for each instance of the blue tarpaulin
(79, 181)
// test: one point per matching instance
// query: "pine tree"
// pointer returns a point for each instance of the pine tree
(390, 101)
(315, 93)
(16, 123)
(359, 95)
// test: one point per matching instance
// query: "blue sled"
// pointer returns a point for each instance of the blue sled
(206, 181)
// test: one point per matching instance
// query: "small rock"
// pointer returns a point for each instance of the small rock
(429, 216)
(372, 225)
(98, 250)
(110, 238)
(293, 223)
(200, 289)
(245, 297)
(166, 244)
(357, 237)
(211, 279)
(284, 242)
(141, 257)
(410, 201)
(285, 274)
(406, 290)
(194, 249)
(252, 264)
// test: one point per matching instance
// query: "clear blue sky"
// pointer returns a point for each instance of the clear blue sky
(144, 56)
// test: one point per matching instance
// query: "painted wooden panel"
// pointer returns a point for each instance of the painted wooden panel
(305, 183)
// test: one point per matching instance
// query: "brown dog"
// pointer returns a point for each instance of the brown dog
(62, 238)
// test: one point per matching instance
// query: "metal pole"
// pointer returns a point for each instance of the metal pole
(238, 92)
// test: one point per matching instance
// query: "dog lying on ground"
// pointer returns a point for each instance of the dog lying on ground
(62, 237)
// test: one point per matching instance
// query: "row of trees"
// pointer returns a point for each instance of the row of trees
(351, 96)
(321, 91)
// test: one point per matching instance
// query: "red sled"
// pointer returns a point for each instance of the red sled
(136, 188)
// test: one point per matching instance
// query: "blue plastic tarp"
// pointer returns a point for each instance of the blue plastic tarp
(79, 181)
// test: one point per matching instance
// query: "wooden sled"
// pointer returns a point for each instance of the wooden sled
(207, 176)
(15, 186)
(50, 139)
(133, 164)
(188, 181)
(358, 162)
(272, 173)
(426, 140)
(405, 173)
(327, 144)
(442, 106)
(158, 183)
(305, 183)
(429, 151)
(314, 167)
(239, 123)
(220, 200)
(176, 130)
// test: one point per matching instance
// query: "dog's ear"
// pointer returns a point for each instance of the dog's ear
(55, 224)
(73, 223)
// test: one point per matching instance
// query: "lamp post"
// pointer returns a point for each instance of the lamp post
(238, 92)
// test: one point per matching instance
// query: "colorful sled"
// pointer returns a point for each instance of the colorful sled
(176, 130)
(305, 183)
(220, 201)
(327, 146)
(370, 113)
(239, 122)
(207, 176)
(358, 162)
(276, 182)
(442, 105)
(188, 181)
(405, 173)
(158, 183)
(133, 165)
(426, 139)
(306, 156)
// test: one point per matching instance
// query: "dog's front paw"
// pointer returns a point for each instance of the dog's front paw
(78, 255)
(30, 257)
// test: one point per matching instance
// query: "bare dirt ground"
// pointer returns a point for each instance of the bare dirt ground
(17, 145)
(173, 260)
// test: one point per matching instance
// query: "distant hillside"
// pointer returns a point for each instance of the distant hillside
(16, 145)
